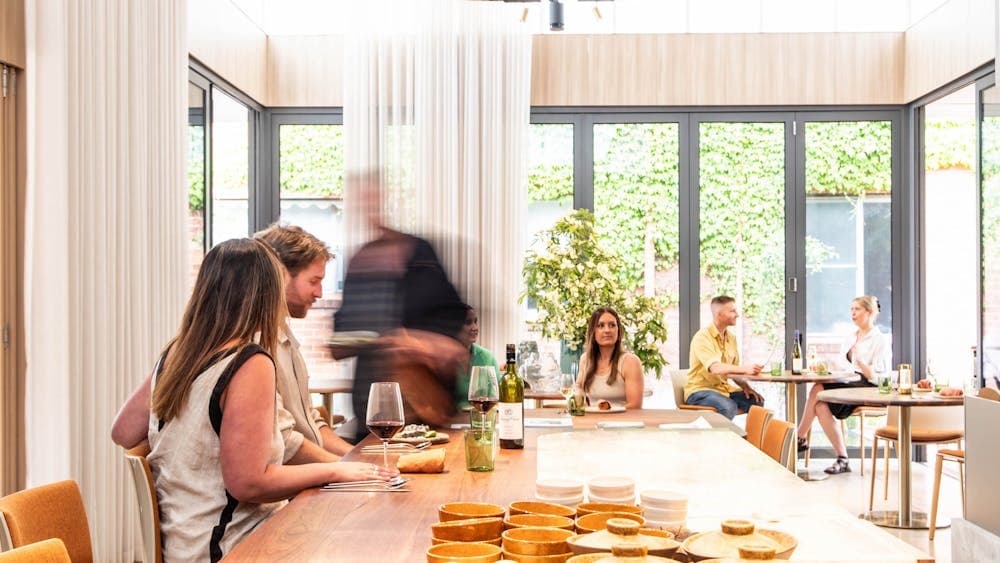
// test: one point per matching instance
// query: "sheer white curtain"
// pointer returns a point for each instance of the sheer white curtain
(437, 96)
(105, 265)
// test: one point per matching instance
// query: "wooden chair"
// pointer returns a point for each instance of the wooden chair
(957, 456)
(149, 507)
(333, 420)
(46, 551)
(50, 511)
(928, 425)
(778, 442)
(861, 412)
(757, 420)
(679, 378)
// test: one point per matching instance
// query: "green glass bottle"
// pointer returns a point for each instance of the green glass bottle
(511, 406)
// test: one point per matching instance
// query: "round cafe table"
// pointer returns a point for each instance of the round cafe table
(905, 517)
(791, 398)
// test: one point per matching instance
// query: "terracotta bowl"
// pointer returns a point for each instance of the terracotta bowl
(592, 507)
(590, 523)
(536, 541)
(539, 521)
(472, 530)
(557, 558)
(463, 553)
(496, 541)
(465, 510)
(538, 507)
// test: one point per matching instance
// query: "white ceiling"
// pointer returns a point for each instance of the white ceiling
(324, 17)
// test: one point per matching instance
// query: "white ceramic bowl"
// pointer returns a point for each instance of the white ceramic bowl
(656, 498)
(565, 501)
(558, 488)
(619, 500)
(611, 486)
(664, 514)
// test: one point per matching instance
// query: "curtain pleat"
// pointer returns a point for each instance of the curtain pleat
(439, 100)
(105, 268)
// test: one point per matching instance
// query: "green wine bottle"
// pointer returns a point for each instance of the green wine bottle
(511, 406)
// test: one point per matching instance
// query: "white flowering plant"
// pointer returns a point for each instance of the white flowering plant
(569, 275)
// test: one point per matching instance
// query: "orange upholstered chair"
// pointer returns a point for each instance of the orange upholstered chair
(779, 436)
(46, 512)
(757, 419)
(46, 551)
(149, 508)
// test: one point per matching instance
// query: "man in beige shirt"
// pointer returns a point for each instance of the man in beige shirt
(714, 359)
(304, 257)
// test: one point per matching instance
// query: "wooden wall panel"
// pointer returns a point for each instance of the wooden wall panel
(12, 32)
(222, 38)
(306, 71)
(717, 69)
(953, 40)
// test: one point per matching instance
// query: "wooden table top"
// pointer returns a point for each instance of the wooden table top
(722, 474)
(806, 377)
(869, 396)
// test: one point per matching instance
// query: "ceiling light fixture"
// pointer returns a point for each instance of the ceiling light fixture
(556, 22)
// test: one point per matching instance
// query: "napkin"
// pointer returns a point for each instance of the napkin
(548, 423)
(698, 424)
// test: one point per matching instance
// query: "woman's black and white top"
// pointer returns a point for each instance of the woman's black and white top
(199, 519)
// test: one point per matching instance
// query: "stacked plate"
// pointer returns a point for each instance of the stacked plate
(666, 510)
(567, 492)
(612, 488)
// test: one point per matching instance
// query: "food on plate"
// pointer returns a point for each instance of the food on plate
(950, 392)
(416, 431)
(604, 405)
(429, 461)
(924, 384)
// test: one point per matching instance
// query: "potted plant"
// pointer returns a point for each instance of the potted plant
(570, 274)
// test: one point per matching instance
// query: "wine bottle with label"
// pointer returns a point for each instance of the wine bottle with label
(797, 354)
(511, 406)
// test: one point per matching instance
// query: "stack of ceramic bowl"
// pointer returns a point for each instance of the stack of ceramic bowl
(666, 510)
(611, 488)
(567, 492)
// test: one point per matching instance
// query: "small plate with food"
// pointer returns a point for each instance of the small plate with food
(923, 386)
(604, 406)
(418, 434)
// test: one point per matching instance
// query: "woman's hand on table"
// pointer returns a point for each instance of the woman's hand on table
(344, 471)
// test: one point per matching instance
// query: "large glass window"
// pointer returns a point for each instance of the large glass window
(991, 235)
(742, 235)
(311, 180)
(950, 269)
(230, 167)
(196, 152)
(635, 205)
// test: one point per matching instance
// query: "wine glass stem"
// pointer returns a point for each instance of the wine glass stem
(385, 454)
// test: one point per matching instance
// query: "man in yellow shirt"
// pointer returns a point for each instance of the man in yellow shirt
(714, 359)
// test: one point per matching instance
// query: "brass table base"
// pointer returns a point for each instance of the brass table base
(890, 519)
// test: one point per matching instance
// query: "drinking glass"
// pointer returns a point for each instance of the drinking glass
(385, 414)
(776, 368)
(566, 383)
(936, 383)
(882, 378)
(484, 392)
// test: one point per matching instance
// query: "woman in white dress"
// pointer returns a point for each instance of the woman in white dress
(607, 371)
(861, 350)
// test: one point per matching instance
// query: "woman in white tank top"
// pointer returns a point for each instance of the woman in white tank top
(607, 371)
(209, 412)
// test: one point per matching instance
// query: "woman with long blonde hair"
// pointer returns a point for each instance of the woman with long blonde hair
(209, 411)
(607, 371)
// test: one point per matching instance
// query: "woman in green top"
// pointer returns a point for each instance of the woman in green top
(478, 356)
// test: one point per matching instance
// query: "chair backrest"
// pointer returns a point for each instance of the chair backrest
(988, 393)
(757, 419)
(931, 418)
(149, 508)
(679, 378)
(46, 551)
(777, 443)
(50, 511)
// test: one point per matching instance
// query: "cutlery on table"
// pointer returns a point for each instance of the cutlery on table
(398, 446)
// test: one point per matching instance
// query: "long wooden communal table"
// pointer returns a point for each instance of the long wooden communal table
(721, 473)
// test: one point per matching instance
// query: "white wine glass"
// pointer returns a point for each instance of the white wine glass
(385, 414)
(566, 383)
(484, 392)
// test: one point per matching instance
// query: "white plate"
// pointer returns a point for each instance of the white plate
(614, 408)
(657, 498)
(565, 501)
(559, 488)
